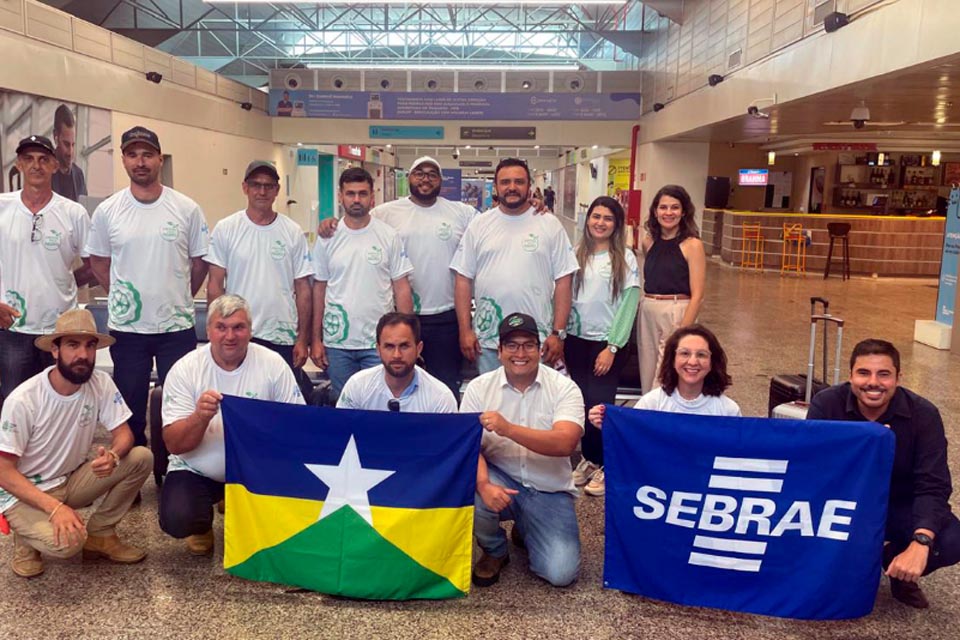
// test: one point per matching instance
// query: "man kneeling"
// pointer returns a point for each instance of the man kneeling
(46, 429)
(193, 426)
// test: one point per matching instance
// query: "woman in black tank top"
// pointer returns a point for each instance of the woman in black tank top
(674, 273)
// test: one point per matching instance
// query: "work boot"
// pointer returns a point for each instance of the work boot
(200, 544)
(487, 570)
(909, 593)
(222, 507)
(26, 562)
(111, 548)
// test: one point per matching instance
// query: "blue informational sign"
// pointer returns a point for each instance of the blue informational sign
(949, 266)
(384, 132)
(307, 157)
(777, 517)
(451, 187)
(374, 105)
(754, 177)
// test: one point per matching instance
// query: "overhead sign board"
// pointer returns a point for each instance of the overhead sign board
(844, 146)
(352, 151)
(476, 163)
(307, 157)
(754, 177)
(498, 133)
(382, 132)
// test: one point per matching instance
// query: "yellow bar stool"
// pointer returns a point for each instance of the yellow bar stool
(751, 247)
(794, 256)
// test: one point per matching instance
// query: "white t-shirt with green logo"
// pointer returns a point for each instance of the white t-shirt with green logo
(593, 309)
(150, 247)
(51, 433)
(262, 261)
(514, 262)
(359, 267)
(36, 278)
(430, 236)
(263, 375)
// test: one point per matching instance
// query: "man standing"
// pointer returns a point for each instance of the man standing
(430, 227)
(68, 181)
(511, 259)
(46, 429)
(397, 384)
(193, 426)
(285, 106)
(359, 273)
(262, 256)
(146, 248)
(922, 535)
(41, 237)
(533, 420)
(549, 197)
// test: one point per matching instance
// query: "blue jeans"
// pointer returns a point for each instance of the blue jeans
(346, 362)
(441, 348)
(19, 360)
(488, 360)
(547, 523)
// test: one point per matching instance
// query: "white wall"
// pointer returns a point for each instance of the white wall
(682, 163)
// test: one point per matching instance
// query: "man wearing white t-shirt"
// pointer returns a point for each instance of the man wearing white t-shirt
(360, 273)
(263, 257)
(193, 426)
(47, 427)
(146, 247)
(532, 417)
(512, 260)
(42, 235)
(397, 384)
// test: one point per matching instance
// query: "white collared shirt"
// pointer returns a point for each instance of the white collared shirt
(367, 389)
(550, 399)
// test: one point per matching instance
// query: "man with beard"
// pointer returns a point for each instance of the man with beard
(47, 427)
(68, 180)
(922, 535)
(193, 425)
(511, 259)
(397, 384)
(360, 273)
(41, 237)
(146, 248)
(430, 227)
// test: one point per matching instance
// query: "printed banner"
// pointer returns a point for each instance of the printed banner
(776, 517)
(363, 504)
(453, 106)
(451, 187)
(947, 294)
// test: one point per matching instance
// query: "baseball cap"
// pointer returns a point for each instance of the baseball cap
(139, 134)
(261, 165)
(426, 160)
(39, 142)
(518, 322)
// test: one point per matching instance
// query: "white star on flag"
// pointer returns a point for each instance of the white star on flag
(348, 483)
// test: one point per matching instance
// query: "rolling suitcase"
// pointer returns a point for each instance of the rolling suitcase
(790, 394)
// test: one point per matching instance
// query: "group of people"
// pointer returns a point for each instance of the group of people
(418, 280)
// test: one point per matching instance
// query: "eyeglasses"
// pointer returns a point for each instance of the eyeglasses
(685, 354)
(513, 347)
(424, 175)
(262, 186)
(36, 234)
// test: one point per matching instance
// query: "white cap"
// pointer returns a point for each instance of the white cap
(426, 160)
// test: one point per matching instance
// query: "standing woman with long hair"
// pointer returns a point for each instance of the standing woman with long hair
(674, 274)
(606, 292)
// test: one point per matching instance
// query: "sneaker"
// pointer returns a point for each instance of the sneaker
(111, 548)
(909, 593)
(487, 570)
(26, 562)
(596, 486)
(200, 544)
(583, 472)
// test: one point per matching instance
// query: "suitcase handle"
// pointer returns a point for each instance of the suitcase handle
(813, 304)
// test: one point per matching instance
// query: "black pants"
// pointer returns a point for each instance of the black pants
(19, 360)
(900, 528)
(579, 356)
(286, 352)
(441, 348)
(186, 503)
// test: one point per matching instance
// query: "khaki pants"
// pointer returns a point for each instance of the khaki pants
(80, 490)
(658, 319)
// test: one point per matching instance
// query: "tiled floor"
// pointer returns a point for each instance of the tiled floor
(762, 322)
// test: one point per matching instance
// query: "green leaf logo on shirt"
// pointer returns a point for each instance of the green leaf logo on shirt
(444, 231)
(416, 302)
(278, 250)
(170, 231)
(487, 318)
(15, 300)
(531, 243)
(574, 325)
(375, 255)
(52, 241)
(174, 318)
(86, 416)
(124, 303)
(605, 271)
(336, 326)
(8, 427)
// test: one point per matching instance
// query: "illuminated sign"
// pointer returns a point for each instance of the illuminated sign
(754, 177)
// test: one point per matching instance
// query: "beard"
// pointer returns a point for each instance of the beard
(401, 373)
(416, 194)
(78, 372)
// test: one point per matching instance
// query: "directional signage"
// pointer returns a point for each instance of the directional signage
(406, 132)
(476, 163)
(498, 133)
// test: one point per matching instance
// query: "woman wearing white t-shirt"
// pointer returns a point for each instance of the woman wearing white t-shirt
(606, 293)
(693, 378)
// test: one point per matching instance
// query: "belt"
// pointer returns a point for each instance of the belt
(657, 296)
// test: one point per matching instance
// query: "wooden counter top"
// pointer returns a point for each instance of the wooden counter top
(831, 216)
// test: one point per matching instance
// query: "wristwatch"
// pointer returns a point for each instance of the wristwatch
(613, 348)
(560, 333)
(924, 539)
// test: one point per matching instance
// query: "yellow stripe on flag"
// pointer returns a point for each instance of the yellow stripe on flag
(253, 522)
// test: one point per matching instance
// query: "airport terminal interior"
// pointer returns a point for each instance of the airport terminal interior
(819, 141)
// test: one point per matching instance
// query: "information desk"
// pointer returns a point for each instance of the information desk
(884, 245)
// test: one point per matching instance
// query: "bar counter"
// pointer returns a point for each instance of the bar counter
(882, 245)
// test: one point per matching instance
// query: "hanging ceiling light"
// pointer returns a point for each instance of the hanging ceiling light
(771, 158)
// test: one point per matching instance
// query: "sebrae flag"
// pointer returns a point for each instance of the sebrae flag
(778, 517)
(363, 504)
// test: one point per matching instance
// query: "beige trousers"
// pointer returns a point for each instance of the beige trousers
(82, 487)
(657, 320)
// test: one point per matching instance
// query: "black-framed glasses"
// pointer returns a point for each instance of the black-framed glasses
(36, 233)
(424, 175)
(262, 186)
(513, 347)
